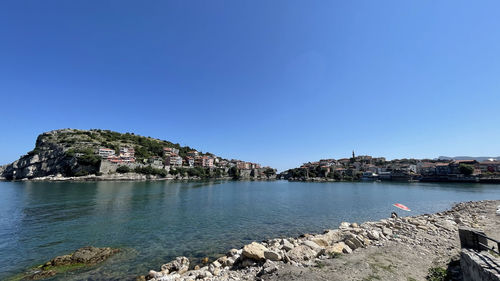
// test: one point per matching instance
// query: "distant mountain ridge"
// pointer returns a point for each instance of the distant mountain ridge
(479, 159)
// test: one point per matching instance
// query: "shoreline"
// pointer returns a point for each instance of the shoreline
(143, 177)
(128, 177)
(308, 251)
(481, 181)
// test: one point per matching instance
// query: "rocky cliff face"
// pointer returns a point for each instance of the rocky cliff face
(49, 157)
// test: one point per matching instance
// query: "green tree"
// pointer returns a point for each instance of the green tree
(234, 173)
(466, 169)
(269, 172)
(148, 170)
(123, 169)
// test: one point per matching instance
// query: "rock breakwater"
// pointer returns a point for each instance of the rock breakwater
(434, 235)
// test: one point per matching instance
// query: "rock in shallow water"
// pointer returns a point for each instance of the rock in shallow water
(92, 255)
(82, 257)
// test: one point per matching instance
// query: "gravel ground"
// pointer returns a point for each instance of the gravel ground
(399, 260)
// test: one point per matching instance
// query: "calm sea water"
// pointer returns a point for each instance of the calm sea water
(155, 221)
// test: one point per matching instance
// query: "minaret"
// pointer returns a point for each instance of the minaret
(353, 157)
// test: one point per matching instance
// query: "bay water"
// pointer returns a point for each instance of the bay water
(155, 221)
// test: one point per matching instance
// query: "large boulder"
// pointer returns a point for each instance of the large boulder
(332, 236)
(386, 231)
(254, 251)
(353, 241)
(301, 253)
(337, 248)
(320, 241)
(312, 245)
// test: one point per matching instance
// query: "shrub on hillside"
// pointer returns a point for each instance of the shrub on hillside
(148, 170)
(123, 169)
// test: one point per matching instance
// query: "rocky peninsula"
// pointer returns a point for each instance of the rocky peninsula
(396, 248)
(92, 155)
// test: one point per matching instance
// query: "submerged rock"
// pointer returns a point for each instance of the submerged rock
(82, 257)
(92, 255)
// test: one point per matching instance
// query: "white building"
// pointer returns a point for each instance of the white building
(106, 152)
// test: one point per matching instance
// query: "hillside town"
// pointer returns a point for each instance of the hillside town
(365, 167)
(172, 160)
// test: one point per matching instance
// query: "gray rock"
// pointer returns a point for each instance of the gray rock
(179, 265)
(248, 262)
(312, 245)
(230, 261)
(272, 255)
(222, 260)
(387, 231)
(337, 248)
(373, 234)
(344, 225)
(354, 242)
(347, 250)
(269, 267)
(322, 242)
(232, 252)
(286, 245)
(332, 236)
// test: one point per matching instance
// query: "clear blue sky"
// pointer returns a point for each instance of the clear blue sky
(275, 82)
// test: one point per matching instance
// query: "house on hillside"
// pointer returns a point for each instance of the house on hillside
(189, 161)
(442, 169)
(156, 160)
(106, 152)
(167, 151)
(173, 160)
(489, 166)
